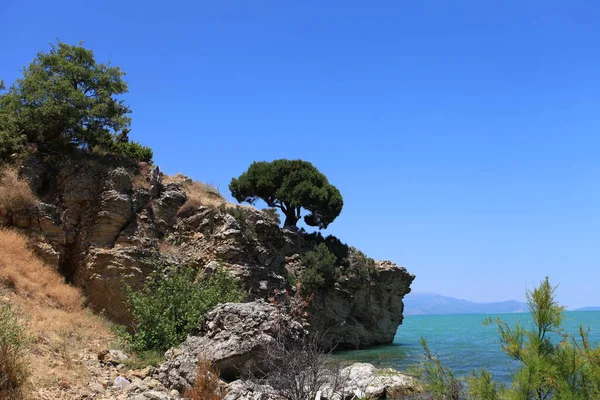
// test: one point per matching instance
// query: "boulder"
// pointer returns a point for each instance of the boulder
(368, 382)
(233, 336)
(246, 390)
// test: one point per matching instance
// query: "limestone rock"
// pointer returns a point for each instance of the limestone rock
(245, 390)
(115, 213)
(233, 337)
(373, 383)
(165, 207)
(102, 233)
(104, 273)
(357, 313)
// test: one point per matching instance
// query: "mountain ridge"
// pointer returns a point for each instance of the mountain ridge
(433, 303)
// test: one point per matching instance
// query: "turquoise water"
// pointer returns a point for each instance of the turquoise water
(461, 342)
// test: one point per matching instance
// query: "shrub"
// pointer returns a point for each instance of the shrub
(335, 245)
(440, 379)
(133, 150)
(319, 269)
(482, 386)
(359, 264)
(15, 194)
(14, 369)
(272, 214)
(207, 385)
(172, 305)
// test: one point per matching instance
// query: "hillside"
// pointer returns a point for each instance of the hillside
(589, 308)
(65, 335)
(431, 303)
(106, 223)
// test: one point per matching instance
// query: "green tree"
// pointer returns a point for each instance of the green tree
(66, 99)
(290, 185)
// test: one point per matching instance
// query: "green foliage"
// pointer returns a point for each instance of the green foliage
(241, 216)
(335, 245)
(290, 185)
(438, 378)
(360, 265)
(143, 359)
(352, 261)
(482, 386)
(66, 100)
(14, 369)
(273, 214)
(553, 365)
(172, 306)
(319, 271)
(132, 150)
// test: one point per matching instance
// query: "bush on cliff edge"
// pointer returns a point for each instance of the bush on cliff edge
(170, 307)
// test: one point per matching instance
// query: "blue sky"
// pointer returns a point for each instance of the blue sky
(464, 135)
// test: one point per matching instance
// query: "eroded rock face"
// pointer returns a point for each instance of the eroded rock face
(234, 337)
(358, 313)
(103, 232)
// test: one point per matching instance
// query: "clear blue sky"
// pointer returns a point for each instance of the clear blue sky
(463, 135)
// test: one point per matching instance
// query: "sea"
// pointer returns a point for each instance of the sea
(462, 342)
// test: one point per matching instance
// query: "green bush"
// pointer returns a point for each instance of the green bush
(273, 214)
(241, 216)
(335, 245)
(14, 369)
(440, 379)
(359, 264)
(172, 306)
(133, 150)
(319, 271)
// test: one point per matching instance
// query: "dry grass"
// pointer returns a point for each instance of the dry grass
(207, 386)
(14, 366)
(139, 181)
(22, 272)
(15, 194)
(64, 332)
(198, 194)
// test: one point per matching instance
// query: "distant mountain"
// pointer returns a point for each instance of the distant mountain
(431, 303)
(592, 308)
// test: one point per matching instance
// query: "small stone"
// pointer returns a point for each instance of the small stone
(121, 382)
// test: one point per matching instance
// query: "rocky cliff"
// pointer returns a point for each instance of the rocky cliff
(107, 223)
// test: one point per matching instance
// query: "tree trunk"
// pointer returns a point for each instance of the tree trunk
(290, 218)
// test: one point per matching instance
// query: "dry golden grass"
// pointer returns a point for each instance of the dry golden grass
(139, 181)
(198, 194)
(64, 332)
(15, 194)
(207, 386)
(22, 272)
(14, 368)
